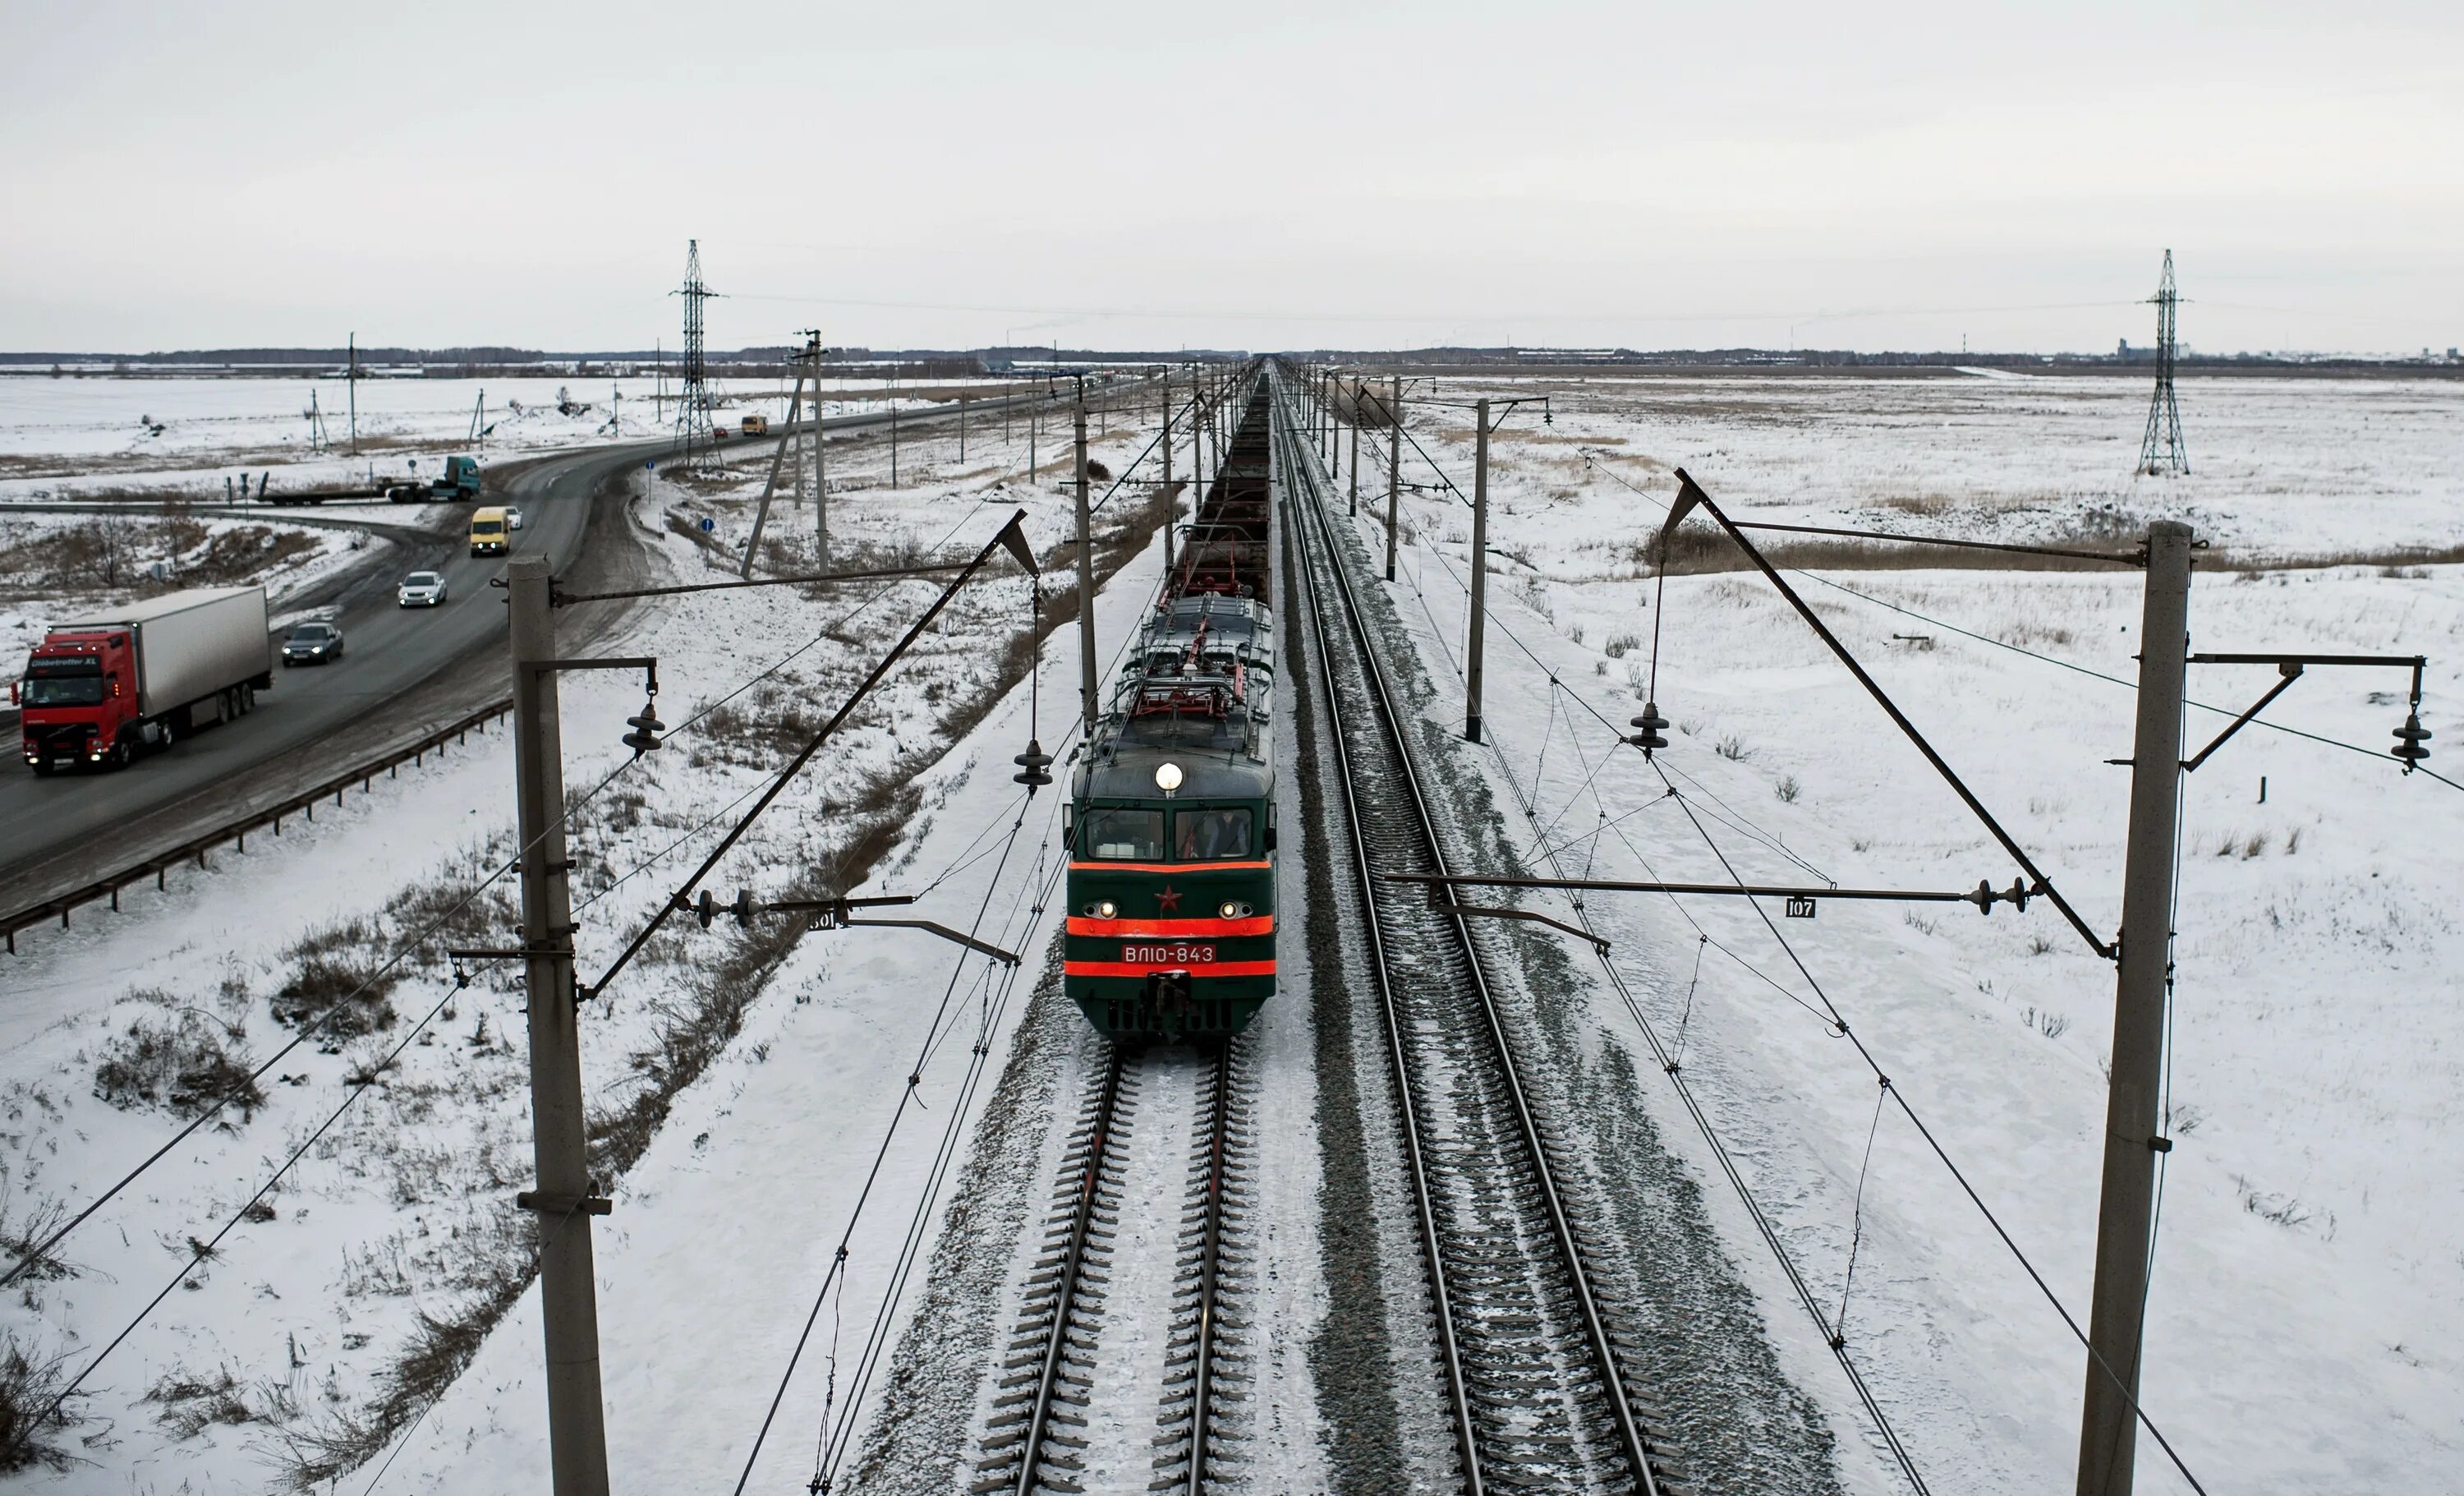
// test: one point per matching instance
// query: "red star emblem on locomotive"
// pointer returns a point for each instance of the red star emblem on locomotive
(1167, 901)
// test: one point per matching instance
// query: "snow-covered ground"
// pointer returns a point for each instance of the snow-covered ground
(105, 437)
(2280, 468)
(41, 581)
(2309, 1273)
(298, 1337)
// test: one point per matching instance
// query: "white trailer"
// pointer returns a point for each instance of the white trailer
(203, 647)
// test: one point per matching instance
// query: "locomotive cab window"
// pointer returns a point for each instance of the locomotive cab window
(1211, 835)
(1119, 833)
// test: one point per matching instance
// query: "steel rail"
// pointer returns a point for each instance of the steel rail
(1099, 1143)
(1334, 577)
(1449, 1352)
(1218, 1153)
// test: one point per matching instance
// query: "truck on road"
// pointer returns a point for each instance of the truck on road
(460, 482)
(102, 689)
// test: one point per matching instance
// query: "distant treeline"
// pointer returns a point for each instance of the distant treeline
(490, 360)
(495, 361)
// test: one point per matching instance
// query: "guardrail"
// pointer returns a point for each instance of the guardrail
(236, 831)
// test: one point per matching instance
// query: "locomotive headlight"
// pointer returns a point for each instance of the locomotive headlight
(1104, 908)
(1168, 778)
(1232, 910)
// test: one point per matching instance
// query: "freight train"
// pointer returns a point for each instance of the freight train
(1171, 906)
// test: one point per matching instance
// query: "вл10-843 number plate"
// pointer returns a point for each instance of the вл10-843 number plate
(1180, 955)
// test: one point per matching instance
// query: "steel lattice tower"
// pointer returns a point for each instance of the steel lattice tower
(695, 412)
(2161, 451)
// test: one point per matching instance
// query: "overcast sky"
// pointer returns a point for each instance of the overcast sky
(1260, 176)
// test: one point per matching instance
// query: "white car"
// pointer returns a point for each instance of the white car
(421, 589)
(512, 517)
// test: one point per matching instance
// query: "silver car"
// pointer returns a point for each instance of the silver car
(421, 589)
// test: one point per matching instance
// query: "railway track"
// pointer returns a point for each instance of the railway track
(1092, 1396)
(1530, 1350)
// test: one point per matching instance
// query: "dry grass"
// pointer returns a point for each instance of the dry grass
(335, 983)
(1700, 548)
(191, 1403)
(315, 1454)
(183, 1061)
(21, 1233)
(29, 1382)
(112, 552)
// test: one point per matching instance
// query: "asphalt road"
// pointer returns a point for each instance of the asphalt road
(395, 677)
(389, 652)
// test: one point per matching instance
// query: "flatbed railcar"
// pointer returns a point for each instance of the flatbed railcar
(1171, 893)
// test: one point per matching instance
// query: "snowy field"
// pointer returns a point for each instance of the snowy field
(2309, 1273)
(53, 566)
(2309, 1282)
(100, 436)
(309, 1339)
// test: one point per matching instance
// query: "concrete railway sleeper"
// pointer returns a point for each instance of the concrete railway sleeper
(1068, 1405)
(1531, 1352)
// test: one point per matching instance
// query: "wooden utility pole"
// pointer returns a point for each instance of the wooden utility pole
(1086, 580)
(962, 429)
(2108, 1427)
(894, 437)
(1394, 467)
(564, 1200)
(355, 393)
(1479, 571)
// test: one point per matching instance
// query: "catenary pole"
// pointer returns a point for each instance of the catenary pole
(1393, 464)
(1355, 447)
(795, 424)
(1086, 577)
(820, 473)
(1479, 571)
(568, 1292)
(2108, 1430)
(1170, 499)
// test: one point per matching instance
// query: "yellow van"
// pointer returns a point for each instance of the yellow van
(490, 532)
(755, 425)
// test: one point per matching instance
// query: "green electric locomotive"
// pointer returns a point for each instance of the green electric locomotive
(1171, 906)
(1172, 871)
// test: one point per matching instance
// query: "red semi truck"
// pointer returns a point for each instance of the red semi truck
(102, 689)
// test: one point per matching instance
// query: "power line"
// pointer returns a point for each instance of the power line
(204, 1252)
(833, 1274)
(1843, 1030)
(2115, 681)
(307, 1031)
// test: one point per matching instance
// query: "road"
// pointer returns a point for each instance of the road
(57, 826)
(393, 682)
